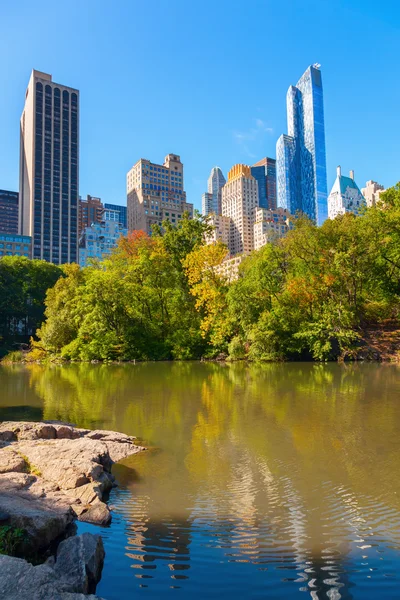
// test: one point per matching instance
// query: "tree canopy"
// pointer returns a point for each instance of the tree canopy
(307, 295)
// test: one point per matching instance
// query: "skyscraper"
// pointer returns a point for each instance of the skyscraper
(155, 192)
(301, 160)
(211, 201)
(49, 169)
(8, 212)
(265, 173)
(239, 199)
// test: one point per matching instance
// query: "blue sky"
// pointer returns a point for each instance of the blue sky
(204, 79)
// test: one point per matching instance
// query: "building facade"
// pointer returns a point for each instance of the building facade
(90, 211)
(264, 171)
(212, 200)
(371, 192)
(156, 192)
(270, 225)
(15, 245)
(207, 204)
(99, 239)
(221, 229)
(49, 169)
(345, 196)
(239, 199)
(122, 210)
(9, 212)
(301, 159)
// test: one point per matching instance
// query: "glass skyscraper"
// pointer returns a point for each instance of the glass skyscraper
(300, 155)
(211, 201)
(264, 172)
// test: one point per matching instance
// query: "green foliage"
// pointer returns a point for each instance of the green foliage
(11, 539)
(23, 286)
(306, 296)
(16, 356)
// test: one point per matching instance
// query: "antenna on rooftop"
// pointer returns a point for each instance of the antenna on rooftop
(316, 65)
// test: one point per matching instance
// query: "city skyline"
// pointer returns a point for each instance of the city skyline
(240, 125)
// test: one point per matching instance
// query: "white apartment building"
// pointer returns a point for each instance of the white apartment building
(345, 196)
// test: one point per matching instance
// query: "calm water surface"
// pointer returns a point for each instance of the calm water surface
(274, 481)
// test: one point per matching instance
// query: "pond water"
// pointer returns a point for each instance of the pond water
(272, 481)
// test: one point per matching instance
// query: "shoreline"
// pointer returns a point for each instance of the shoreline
(52, 475)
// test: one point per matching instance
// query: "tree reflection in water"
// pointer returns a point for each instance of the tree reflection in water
(267, 479)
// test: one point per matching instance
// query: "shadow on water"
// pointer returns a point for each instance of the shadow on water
(268, 480)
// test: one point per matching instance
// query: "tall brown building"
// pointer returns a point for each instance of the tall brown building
(155, 192)
(90, 211)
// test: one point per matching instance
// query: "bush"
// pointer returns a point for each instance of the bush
(16, 356)
(236, 348)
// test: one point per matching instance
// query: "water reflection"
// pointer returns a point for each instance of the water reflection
(269, 480)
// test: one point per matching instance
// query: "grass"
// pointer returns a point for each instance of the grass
(11, 539)
(30, 468)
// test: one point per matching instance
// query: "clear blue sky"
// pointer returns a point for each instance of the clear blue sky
(204, 79)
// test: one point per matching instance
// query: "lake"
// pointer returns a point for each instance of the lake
(269, 481)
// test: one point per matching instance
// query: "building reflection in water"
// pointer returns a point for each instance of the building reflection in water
(268, 477)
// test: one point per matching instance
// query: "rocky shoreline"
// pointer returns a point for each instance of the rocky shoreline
(52, 474)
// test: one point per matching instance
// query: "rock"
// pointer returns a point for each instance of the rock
(42, 520)
(7, 434)
(80, 561)
(98, 514)
(69, 463)
(85, 493)
(77, 569)
(70, 470)
(11, 460)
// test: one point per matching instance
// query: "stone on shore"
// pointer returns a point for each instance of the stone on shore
(52, 473)
(74, 573)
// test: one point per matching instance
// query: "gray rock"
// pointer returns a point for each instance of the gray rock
(11, 460)
(70, 470)
(80, 561)
(98, 514)
(77, 569)
(42, 519)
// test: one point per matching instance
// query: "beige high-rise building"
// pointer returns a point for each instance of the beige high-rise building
(372, 192)
(270, 225)
(221, 229)
(49, 169)
(239, 199)
(156, 192)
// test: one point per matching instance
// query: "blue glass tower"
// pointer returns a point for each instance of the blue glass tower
(264, 172)
(301, 159)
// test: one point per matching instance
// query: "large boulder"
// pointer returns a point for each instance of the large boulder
(80, 561)
(43, 519)
(75, 573)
